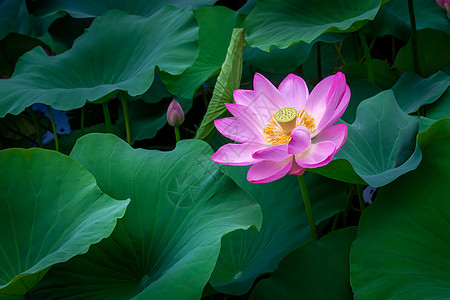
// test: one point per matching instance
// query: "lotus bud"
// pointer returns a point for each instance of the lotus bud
(444, 4)
(175, 114)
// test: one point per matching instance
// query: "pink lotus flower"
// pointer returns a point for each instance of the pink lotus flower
(285, 130)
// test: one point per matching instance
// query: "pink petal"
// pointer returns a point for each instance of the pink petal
(318, 154)
(244, 97)
(274, 153)
(328, 92)
(237, 131)
(246, 116)
(335, 133)
(267, 171)
(236, 154)
(294, 89)
(335, 110)
(268, 99)
(296, 169)
(300, 140)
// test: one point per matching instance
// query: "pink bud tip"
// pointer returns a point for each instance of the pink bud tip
(175, 114)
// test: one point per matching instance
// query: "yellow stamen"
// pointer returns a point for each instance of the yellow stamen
(275, 134)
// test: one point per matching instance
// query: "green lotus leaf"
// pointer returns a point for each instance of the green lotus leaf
(213, 38)
(402, 250)
(433, 48)
(50, 211)
(88, 9)
(245, 255)
(283, 23)
(441, 108)
(167, 244)
(14, 17)
(118, 52)
(412, 91)
(316, 270)
(228, 80)
(393, 19)
(381, 143)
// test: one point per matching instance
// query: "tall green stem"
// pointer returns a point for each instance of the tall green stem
(82, 120)
(126, 115)
(370, 73)
(107, 117)
(339, 53)
(309, 213)
(177, 133)
(362, 204)
(319, 62)
(53, 127)
(412, 19)
(36, 126)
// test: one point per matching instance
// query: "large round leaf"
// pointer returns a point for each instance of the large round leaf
(316, 270)
(88, 8)
(245, 255)
(402, 250)
(167, 244)
(285, 22)
(213, 38)
(118, 52)
(381, 143)
(50, 211)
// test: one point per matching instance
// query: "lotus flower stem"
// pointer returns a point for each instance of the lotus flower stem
(412, 19)
(335, 221)
(177, 133)
(319, 62)
(107, 117)
(52, 121)
(309, 213)
(126, 115)
(339, 53)
(370, 73)
(82, 112)
(360, 197)
(36, 126)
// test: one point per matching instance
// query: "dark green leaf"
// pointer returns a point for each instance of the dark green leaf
(88, 8)
(402, 250)
(381, 143)
(433, 48)
(229, 80)
(214, 37)
(412, 91)
(316, 270)
(167, 244)
(50, 211)
(245, 255)
(118, 52)
(283, 23)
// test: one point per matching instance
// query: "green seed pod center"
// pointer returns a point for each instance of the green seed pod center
(286, 115)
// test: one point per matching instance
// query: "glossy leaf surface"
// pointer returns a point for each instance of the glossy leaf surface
(118, 52)
(402, 250)
(167, 243)
(50, 211)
